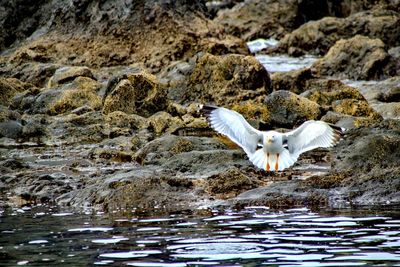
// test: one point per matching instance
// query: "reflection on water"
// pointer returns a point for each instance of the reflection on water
(251, 237)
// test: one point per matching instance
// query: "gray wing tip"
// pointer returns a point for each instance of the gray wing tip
(206, 110)
(338, 133)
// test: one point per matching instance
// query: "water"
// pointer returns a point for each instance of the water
(255, 236)
(278, 63)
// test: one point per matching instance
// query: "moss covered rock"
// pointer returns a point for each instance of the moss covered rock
(9, 87)
(138, 93)
(223, 80)
(82, 91)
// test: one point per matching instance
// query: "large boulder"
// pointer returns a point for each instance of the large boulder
(359, 58)
(223, 80)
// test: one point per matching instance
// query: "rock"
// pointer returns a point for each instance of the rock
(6, 114)
(161, 149)
(11, 129)
(316, 37)
(230, 183)
(140, 189)
(9, 87)
(293, 81)
(82, 91)
(380, 95)
(123, 120)
(138, 94)
(367, 148)
(93, 35)
(34, 73)
(287, 109)
(68, 74)
(255, 19)
(341, 98)
(223, 80)
(359, 58)
(272, 19)
(35, 127)
(163, 122)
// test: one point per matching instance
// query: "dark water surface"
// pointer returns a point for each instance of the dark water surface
(255, 236)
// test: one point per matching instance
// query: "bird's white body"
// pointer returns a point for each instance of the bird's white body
(278, 150)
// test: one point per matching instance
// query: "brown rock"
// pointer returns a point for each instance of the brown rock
(359, 58)
(81, 92)
(293, 81)
(9, 87)
(223, 80)
(138, 93)
(317, 37)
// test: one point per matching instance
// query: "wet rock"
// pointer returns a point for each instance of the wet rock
(6, 114)
(392, 93)
(288, 109)
(230, 183)
(359, 58)
(317, 37)
(35, 127)
(367, 148)
(141, 189)
(43, 188)
(138, 93)
(161, 149)
(68, 74)
(11, 129)
(9, 87)
(223, 80)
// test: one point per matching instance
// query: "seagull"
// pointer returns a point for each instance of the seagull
(271, 150)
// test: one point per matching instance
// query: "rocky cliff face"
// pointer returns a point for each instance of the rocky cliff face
(98, 101)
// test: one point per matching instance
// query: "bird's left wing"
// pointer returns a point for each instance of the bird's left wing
(234, 126)
(310, 135)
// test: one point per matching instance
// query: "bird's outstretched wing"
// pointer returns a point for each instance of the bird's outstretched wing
(234, 126)
(310, 135)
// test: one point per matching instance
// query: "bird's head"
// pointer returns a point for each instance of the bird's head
(270, 138)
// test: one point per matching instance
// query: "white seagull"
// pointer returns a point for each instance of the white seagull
(278, 150)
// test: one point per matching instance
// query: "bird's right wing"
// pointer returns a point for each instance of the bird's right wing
(312, 134)
(234, 126)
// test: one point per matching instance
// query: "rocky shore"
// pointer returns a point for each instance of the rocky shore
(99, 102)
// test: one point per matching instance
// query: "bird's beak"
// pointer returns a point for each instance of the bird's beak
(269, 140)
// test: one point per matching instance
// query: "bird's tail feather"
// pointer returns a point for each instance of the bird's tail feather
(273, 161)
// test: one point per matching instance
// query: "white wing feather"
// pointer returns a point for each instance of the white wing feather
(310, 135)
(235, 126)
